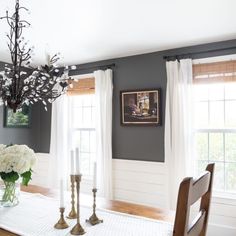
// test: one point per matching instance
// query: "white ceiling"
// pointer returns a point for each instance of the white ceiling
(91, 30)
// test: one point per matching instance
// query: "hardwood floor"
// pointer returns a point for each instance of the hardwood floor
(119, 206)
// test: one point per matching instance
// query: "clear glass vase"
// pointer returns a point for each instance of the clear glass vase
(9, 193)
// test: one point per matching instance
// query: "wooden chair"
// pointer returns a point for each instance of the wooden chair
(190, 191)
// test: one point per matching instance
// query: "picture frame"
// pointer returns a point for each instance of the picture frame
(141, 107)
(20, 119)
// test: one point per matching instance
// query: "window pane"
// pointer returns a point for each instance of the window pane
(77, 118)
(201, 166)
(230, 113)
(230, 147)
(216, 147)
(84, 139)
(93, 117)
(92, 160)
(76, 139)
(92, 100)
(202, 146)
(87, 100)
(216, 114)
(201, 114)
(230, 91)
(219, 176)
(92, 141)
(230, 177)
(216, 92)
(85, 163)
(201, 92)
(87, 116)
(83, 107)
(77, 101)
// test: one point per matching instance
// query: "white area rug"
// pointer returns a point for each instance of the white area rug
(37, 214)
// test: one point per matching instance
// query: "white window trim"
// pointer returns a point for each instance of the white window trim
(220, 197)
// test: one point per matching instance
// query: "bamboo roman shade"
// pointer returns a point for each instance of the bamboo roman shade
(82, 86)
(216, 72)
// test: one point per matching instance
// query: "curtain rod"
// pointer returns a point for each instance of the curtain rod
(190, 55)
(97, 67)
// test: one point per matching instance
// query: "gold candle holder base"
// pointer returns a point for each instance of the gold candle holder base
(72, 214)
(94, 220)
(77, 230)
(61, 224)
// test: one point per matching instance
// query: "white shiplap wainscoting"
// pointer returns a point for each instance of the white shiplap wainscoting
(140, 182)
(146, 183)
(41, 173)
(222, 217)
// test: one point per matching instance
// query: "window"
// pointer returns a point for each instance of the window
(215, 121)
(83, 123)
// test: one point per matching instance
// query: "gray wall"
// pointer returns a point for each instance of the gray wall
(27, 136)
(135, 72)
(146, 71)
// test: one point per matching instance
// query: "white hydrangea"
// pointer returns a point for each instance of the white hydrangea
(2, 146)
(18, 158)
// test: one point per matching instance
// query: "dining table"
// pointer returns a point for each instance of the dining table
(112, 205)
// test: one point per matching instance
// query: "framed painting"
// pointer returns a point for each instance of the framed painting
(20, 119)
(140, 107)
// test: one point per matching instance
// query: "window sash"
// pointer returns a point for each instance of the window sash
(223, 162)
(89, 152)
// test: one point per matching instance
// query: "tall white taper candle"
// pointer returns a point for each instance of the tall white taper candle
(95, 175)
(62, 194)
(77, 167)
(72, 163)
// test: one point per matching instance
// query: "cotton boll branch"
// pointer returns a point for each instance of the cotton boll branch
(22, 84)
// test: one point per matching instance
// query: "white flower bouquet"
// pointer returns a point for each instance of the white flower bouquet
(16, 161)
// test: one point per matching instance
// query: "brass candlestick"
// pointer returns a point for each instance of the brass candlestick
(77, 229)
(72, 214)
(61, 224)
(93, 220)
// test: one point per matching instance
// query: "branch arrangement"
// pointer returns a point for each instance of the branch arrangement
(19, 82)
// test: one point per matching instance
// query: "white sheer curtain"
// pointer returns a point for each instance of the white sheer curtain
(103, 94)
(60, 141)
(178, 125)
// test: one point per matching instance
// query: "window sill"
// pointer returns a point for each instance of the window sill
(224, 198)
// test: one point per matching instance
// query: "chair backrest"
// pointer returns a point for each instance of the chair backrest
(190, 191)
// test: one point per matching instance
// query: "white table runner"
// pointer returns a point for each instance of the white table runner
(37, 214)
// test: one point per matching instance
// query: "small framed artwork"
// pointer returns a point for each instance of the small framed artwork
(20, 119)
(140, 107)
